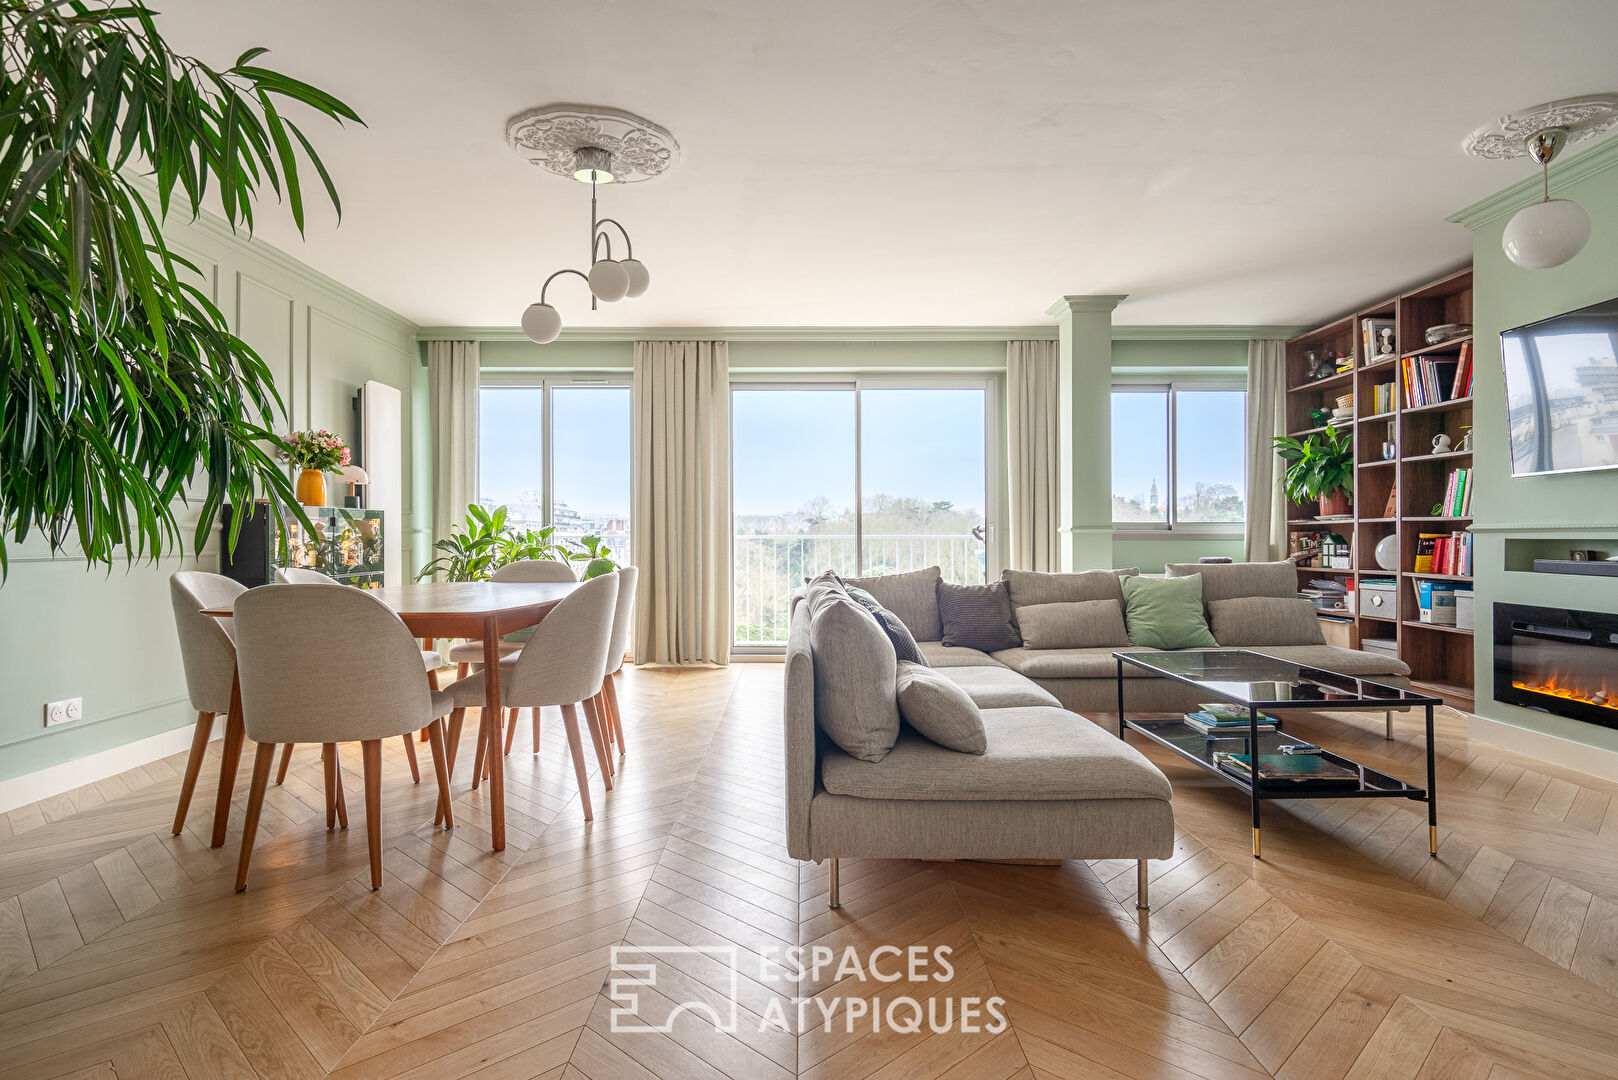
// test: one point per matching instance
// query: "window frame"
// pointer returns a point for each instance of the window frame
(994, 452)
(546, 382)
(1173, 527)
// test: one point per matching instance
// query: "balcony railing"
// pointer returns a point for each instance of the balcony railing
(768, 569)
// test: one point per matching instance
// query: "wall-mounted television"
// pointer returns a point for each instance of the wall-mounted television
(1562, 391)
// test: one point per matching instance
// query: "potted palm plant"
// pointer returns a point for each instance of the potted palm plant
(1320, 468)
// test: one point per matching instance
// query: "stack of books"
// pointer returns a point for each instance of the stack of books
(1438, 553)
(1310, 769)
(1220, 718)
(1433, 379)
(1458, 494)
(1381, 398)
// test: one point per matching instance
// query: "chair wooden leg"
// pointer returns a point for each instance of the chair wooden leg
(435, 733)
(603, 727)
(263, 758)
(410, 752)
(193, 766)
(230, 759)
(462, 671)
(456, 718)
(511, 729)
(478, 772)
(371, 752)
(337, 791)
(286, 759)
(570, 720)
(593, 719)
(610, 689)
(533, 715)
(328, 765)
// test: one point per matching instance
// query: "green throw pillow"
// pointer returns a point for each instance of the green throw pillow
(1166, 613)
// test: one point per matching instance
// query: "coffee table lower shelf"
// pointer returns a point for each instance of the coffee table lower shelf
(1185, 741)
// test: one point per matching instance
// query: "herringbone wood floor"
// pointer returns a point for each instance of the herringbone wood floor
(1346, 953)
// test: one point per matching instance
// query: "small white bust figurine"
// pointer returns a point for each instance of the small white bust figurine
(1386, 348)
(1441, 444)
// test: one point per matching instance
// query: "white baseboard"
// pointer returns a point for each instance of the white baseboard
(1590, 760)
(34, 786)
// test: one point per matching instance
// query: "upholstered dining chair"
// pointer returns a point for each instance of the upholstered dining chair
(430, 659)
(378, 694)
(208, 653)
(563, 663)
(623, 623)
(469, 653)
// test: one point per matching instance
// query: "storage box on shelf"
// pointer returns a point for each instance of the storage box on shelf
(1398, 486)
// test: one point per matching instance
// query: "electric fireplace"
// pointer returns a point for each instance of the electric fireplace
(1558, 661)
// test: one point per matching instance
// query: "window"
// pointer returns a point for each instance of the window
(558, 452)
(1179, 456)
(860, 479)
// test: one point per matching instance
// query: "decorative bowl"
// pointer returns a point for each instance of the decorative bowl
(1446, 331)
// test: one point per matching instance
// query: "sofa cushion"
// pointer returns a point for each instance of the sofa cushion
(1033, 754)
(899, 636)
(1030, 587)
(854, 675)
(939, 655)
(913, 597)
(1069, 663)
(1342, 661)
(977, 616)
(940, 710)
(1166, 613)
(1264, 620)
(1225, 581)
(1079, 624)
(997, 687)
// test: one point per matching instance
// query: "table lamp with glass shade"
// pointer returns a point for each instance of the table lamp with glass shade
(354, 477)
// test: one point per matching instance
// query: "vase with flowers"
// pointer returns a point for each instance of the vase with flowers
(315, 453)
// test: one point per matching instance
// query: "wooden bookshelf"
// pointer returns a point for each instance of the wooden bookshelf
(1440, 657)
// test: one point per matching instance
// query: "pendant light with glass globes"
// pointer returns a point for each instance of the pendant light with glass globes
(597, 146)
(1549, 232)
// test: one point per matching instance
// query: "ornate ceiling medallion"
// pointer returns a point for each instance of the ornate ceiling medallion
(552, 135)
(1579, 117)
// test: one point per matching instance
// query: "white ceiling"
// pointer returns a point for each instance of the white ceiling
(917, 162)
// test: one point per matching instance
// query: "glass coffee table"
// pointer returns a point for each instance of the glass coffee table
(1258, 683)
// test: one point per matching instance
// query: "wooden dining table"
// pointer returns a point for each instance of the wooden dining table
(431, 609)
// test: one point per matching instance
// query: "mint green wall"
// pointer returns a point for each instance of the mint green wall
(109, 637)
(1567, 508)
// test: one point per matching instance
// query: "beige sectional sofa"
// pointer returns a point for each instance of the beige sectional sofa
(1085, 680)
(1051, 784)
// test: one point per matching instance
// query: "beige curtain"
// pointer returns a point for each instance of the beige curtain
(1266, 538)
(1032, 437)
(452, 392)
(682, 502)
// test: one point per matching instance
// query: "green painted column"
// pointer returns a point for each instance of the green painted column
(1084, 522)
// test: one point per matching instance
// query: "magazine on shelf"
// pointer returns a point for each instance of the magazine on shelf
(1288, 768)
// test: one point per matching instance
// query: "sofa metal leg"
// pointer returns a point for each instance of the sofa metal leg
(1387, 717)
(1141, 899)
(836, 899)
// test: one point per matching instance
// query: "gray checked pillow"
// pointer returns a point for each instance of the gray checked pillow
(940, 710)
(978, 616)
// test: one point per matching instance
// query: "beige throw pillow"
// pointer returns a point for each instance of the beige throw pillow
(940, 710)
(1083, 624)
(1264, 620)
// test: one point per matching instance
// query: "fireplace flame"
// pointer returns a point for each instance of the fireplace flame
(1601, 697)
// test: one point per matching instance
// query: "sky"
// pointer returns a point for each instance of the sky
(1211, 436)
(592, 448)
(791, 446)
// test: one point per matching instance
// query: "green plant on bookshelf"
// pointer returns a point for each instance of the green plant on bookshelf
(1320, 467)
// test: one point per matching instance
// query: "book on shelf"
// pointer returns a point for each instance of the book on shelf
(1426, 546)
(1431, 380)
(1225, 729)
(1296, 768)
(1381, 398)
(1457, 500)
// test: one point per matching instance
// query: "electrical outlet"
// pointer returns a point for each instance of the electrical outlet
(64, 712)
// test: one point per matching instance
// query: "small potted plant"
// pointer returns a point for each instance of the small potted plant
(1320, 468)
(315, 453)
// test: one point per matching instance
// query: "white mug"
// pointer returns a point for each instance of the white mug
(1441, 444)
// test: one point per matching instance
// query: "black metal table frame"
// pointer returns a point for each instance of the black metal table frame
(1256, 788)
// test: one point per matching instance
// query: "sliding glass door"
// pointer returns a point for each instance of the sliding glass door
(860, 477)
